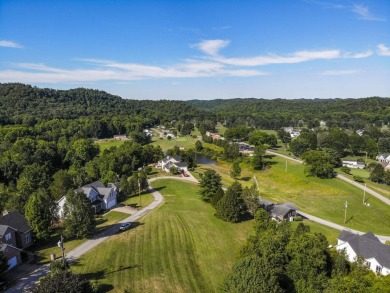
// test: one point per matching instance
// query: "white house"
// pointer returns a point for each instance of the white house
(353, 164)
(101, 197)
(383, 158)
(375, 254)
(172, 161)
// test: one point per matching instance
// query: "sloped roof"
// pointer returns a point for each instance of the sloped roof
(181, 164)
(369, 246)
(283, 209)
(16, 221)
(104, 191)
(3, 229)
(345, 235)
(95, 184)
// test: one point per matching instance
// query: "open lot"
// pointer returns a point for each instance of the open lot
(180, 247)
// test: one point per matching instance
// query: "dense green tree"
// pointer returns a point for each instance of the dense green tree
(198, 146)
(384, 144)
(187, 128)
(318, 164)
(235, 171)
(356, 143)
(62, 282)
(377, 174)
(310, 137)
(62, 183)
(284, 136)
(231, 207)
(258, 154)
(78, 216)
(260, 137)
(41, 212)
(237, 133)
(371, 148)
(81, 151)
(231, 152)
(251, 198)
(217, 197)
(299, 146)
(210, 182)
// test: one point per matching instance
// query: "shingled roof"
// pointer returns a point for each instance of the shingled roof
(16, 221)
(368, 246)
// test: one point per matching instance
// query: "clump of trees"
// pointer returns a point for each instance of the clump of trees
(277, 258)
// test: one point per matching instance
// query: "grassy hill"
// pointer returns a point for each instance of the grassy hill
(180, 247)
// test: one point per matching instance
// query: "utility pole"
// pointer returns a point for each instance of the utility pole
(139, 192)
(61, 245)
(364, 194)
(286, 166)
(345, 214)
(257, 184)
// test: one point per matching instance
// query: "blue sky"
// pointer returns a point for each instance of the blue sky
(199, 49)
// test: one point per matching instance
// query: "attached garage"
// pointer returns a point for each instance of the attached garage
(12, 254)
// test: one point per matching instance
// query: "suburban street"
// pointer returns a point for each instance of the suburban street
(342, 177)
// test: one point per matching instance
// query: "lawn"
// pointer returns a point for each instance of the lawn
(108, 143)
(165, 144)
(146, 199)
(180, 247)
(43, 253)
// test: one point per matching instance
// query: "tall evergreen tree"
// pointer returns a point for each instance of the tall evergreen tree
(41, 211)
(210, 182)
(231, 207)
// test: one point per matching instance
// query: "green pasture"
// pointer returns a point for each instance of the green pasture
(179, 247)
(182, 141)
(108, 143)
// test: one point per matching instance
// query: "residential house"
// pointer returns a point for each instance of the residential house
(293, 133)
(15, 236)
(383, 158)
(245, 148)
(214, 135)
(148, 132)
(121, 137)
(102, 197)
(172, 161)
(360, 132)
(353, 164)
(170, 134)
(376, 255)
(284, 211)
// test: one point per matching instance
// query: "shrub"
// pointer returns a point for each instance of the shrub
(298, 219)
(358, 178)
(346, 170)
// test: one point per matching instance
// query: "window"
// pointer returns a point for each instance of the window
(27, 238)
(368, 264)
(8, 236)
(378, 269)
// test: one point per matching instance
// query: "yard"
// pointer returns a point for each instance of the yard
(108, 143)
(42, 254)
(181, 141)
(180, 247)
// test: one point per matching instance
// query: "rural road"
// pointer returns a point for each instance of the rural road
(342, 177)
(26, 282)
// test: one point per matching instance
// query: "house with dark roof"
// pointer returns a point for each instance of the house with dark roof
(102, 197)
(15, 236)
(284, 211)
(375, 254)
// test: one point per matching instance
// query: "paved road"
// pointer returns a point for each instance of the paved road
(337, 226)
(28, 281)
(341, 177)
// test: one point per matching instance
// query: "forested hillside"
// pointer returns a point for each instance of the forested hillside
(280, 112)
(19, 102)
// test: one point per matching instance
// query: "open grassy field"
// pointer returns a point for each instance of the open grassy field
(165, 144)
(180, 247)
(324, 198)
(108, 143)
(43, 253)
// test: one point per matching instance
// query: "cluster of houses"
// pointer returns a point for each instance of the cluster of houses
(293, 133)
(214, 135)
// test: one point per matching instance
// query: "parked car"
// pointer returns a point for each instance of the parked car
(124, 226)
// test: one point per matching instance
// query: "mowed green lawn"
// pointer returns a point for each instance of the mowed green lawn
(108, 143)
(165, 144)
(179, 247)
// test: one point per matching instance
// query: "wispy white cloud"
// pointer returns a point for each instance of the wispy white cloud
(9, 44)
(297, 57)
(364, 13)
(211, 47)
(340, 72)
(383, 50)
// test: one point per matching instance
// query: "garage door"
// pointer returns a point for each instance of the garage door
(12, 262)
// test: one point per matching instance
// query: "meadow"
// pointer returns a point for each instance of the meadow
(179, 247)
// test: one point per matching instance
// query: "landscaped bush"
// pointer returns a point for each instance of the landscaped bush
(358, 178)
(346, 170)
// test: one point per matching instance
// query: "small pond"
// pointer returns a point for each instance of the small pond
(202, 159)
